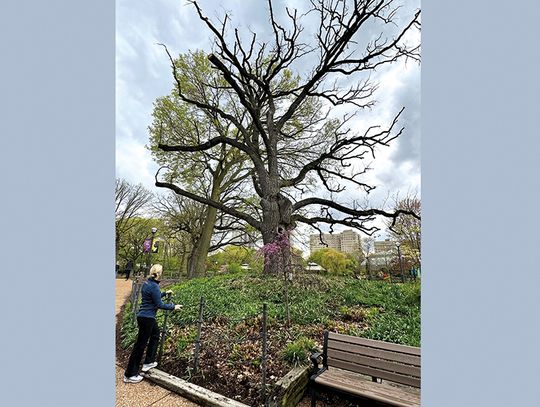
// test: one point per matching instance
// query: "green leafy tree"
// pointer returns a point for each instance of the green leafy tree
(217, 173)
(235, 256)
(332, 260)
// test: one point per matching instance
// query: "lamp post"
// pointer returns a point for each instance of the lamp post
(154, 230)
(400, 263)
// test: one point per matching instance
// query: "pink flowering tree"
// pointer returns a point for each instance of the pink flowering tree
(277, 253)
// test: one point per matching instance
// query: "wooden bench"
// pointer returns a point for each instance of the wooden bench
(348, 362)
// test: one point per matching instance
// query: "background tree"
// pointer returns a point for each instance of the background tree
(185, 221)
(216, 173)
(131, 201)
(296, 149)
(368, 247)
(233, 257)
(332, 260)
(407, 229)
(355, 261)
(182, 219)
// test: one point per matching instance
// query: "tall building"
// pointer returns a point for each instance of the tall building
(347, 241)
(384, 246)
(350, 242)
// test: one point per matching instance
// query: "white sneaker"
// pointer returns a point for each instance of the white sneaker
(147, 367)
(133, 379)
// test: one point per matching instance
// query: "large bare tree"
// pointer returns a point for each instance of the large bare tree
(283, 122)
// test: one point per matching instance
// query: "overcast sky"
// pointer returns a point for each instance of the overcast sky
(143, 74)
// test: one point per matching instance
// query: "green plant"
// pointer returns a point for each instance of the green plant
(128, 331)
(297, 352)
(236, 352)
(396, 327)
(353, 314)
(412, 293)
(234, 268)
(185, 339)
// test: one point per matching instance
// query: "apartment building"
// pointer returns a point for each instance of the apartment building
(384, 246)
(347, 241)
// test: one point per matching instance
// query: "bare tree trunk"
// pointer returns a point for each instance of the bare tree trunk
(191, 264)
(184, 260)
(198, 263)
(116, 245)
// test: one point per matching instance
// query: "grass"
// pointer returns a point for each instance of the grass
(389, 312)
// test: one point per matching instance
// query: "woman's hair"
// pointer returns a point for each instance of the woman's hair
(156, 270)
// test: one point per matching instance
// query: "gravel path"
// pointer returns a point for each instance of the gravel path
(145, 393)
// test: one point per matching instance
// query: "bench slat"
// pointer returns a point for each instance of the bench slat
(410, 350)
(352, 384)
(382, 374)
(376, 353)
(361, 360)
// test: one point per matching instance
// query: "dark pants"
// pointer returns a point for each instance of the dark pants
(148, 333)
(128, 272)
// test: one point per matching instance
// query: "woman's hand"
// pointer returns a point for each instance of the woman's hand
(177, 307)
(168, 292)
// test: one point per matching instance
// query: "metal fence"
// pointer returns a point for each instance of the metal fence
(215, 336)
(220, 337)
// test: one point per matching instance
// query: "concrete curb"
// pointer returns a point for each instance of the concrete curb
(290, 389)
(190, 391)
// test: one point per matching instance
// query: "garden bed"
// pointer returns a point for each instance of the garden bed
(230, 356)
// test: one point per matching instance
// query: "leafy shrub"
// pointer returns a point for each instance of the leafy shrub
(128, 332)
(412, 293)
(396, 327)
(297, 352)
(353, 314)
(234, 268)
(184, 340)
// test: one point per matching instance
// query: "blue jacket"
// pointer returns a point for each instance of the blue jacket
(151, 299)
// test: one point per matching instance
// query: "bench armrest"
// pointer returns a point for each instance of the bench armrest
(314, 359)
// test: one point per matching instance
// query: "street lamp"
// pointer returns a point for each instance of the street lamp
(154, 230)
(400, 263)
(149, 255)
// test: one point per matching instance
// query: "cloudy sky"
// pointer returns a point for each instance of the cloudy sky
(143, 74)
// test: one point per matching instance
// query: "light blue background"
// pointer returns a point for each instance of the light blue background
(480, 147)
(57, 203)
(480, 194)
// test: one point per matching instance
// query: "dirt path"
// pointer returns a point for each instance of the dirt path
(143, 394)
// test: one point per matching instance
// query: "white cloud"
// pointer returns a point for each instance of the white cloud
(134, 163)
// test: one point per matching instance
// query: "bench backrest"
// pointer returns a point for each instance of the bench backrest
(387, 361)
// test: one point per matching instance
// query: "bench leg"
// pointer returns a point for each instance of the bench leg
(313, 397)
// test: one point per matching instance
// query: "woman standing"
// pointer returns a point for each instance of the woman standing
(148, 328)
